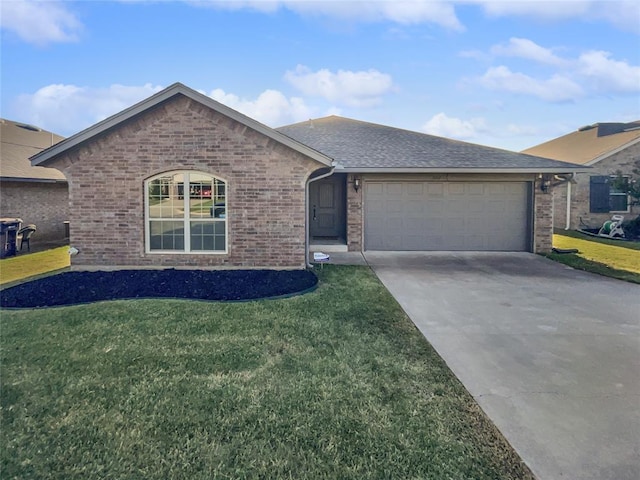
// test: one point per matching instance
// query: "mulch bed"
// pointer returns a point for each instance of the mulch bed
(73, 288)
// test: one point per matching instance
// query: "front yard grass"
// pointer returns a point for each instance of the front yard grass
(606, 241)
(334, 384)
(32, 264)
(599, 255)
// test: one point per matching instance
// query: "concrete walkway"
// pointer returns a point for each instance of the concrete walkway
(551, 354)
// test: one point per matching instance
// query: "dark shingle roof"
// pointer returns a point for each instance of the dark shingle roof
(357, 145)
(19, 142)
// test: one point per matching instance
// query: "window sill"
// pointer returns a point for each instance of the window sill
(177, 252)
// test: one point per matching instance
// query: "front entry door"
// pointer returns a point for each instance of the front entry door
(327, 207)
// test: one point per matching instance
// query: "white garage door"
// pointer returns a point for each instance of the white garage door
(490, 216)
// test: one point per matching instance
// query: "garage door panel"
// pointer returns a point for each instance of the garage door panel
(416, 206)
(393, 189)
(455, 189)
(375, 189)
(395, 206)
(434, 189)
(475, 189)
(414, 189)
(446, 216)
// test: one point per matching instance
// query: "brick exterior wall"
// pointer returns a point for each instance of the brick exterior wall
(355, 215)
(580, 208)
(542, 219)
(44, 204)
(265, 189)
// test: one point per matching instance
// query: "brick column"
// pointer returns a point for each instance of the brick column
(354, 214)
(543, 218)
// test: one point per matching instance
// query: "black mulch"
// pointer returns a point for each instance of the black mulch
(73, 288)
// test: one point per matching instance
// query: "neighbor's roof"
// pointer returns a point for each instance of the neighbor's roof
(591, 143)
(160, 97)
(367, 147)
(20, 141)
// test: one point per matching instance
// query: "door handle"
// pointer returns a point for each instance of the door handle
(314, 213)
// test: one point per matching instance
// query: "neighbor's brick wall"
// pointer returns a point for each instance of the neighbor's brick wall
(44, 204)
(542, 219)
(623, 161)
(265, 189)
(354, 215)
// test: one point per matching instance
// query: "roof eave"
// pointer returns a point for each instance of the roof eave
(612, 152)
(166, 94)
(577, 169)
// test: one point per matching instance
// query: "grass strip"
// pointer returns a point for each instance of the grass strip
(613, 256)
(576, 261)
(632, 245)
(337, 383)
(25, 266)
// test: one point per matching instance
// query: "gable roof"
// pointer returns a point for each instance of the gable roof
(162, 96)
(590, 144)
(20, 141)
(359, 146)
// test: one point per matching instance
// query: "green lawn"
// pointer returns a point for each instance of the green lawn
(335, 384)
(33, 264)
(603, 240)
(612, 258)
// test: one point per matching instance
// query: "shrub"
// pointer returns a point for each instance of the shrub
(632, 228)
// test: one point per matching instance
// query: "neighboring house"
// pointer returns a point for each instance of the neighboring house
(180, 180)
(607, 148)
(36, 194)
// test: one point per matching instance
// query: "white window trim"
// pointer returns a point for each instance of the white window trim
(628, 177)
(186, 220)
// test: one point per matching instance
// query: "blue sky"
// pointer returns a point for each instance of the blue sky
(509, 74)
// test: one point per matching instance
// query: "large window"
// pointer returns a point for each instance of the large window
(604, 198)
(186, 212)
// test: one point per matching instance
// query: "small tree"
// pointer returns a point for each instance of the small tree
(630, 184)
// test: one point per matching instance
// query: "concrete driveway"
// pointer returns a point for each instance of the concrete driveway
(551, 354)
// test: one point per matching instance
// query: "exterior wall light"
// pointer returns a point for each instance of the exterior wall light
(545, 183)
(356, 183)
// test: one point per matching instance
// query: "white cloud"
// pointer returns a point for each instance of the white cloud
(522, 130)
(558, 88)
(608, 74)
(451, 127)
(39, 22)
(67, 109)
(621, 13)
(591, 73)
(355, 89)
(271, 107)
(404, 12)
(525, 48)
(556, 10)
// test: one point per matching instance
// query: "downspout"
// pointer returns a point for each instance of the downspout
(560, 179)
(567, 225)
(306, 211)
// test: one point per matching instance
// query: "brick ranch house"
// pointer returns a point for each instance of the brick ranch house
(607, 148)
(37, 195)
(180, 180)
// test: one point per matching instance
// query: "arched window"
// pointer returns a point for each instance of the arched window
(186, 212)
